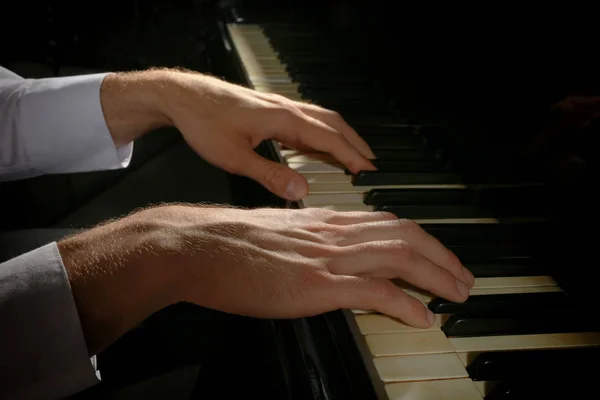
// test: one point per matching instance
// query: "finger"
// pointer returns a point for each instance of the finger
(357, 217)
(275, 177)
(329, 117)
(382, 296)
(298, 128)
(396, 259)
(296, 146)
(411, 232)
(336, 121)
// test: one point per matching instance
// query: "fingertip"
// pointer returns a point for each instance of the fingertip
(364, 165)
(469, 277)
(296, 189)
(463, 290)
(430, 318)
(369, 154)
(372, 166)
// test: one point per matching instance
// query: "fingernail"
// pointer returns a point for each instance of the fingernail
(463, 289)
(294, 190)
(430, 317)
(469, 277)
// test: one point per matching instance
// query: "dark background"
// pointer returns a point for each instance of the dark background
(493, 72)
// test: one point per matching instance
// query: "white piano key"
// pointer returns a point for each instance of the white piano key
(311, 158)
(447, 389)
(419, 368)
(339, 186)
(326, 178)
(257, 79)
(317, 167)
(275, 86)
(347, 207)
(515, 290)
(425, 298)
(378, 323)
(513, 281)
(408, 343)
(334, 187)
(525, 342)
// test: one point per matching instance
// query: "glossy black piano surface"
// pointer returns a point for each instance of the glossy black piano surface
(482, 88)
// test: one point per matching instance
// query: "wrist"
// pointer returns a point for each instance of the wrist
(134, 104)
(118, 277)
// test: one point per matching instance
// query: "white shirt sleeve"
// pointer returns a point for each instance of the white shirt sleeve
(43, 353)
(54, 125)
(47, 126)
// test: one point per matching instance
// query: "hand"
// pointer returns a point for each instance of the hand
(266, 263)
(224, 123)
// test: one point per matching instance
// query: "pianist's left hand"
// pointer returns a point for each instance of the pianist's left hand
(267, 263)
(223, 123)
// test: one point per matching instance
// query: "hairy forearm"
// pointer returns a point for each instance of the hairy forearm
(133, 103)
(117, 276)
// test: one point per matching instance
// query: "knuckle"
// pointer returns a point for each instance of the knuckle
(312, 275)
(381, 290)
(274, 174)
(408, 225)
(321, 228)
(386, 215)
(320, 214)
(335, 115)
(279, 99)
(415, 307)
(400, 251)
(283, 113)
(390, 252)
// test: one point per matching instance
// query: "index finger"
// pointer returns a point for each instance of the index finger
(336, 121)
(411, 232)
(310, 132)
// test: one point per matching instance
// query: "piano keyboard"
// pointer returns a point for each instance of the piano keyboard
(515, 315)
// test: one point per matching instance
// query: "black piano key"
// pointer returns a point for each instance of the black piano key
(406, 154)
(463, 234)
(395, 142)
(315, 87)
(377, 178)
(552, 386)
(504, 267)
(406, 166)
(484, 252)
(386, 119)
(504, 365)
(434, 211)
(501, 303)
(519, 323)
(358, 112)
(340, 100)
(417, 196)
(329, 80)
(378, 130)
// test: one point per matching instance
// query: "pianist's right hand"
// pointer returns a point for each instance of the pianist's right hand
(266, 263)
(223, 123)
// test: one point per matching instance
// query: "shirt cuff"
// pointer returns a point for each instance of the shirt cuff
(43, 353)
(64, 126)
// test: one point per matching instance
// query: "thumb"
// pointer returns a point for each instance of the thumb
(383, 296)
(277, 178)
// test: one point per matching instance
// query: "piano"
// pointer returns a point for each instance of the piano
(454, 109)
(458, 132)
